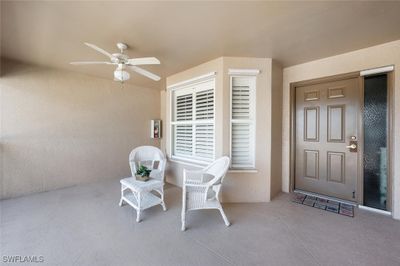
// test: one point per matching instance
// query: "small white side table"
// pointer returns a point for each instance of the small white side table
(138, 194)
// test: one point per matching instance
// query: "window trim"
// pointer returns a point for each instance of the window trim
(243, 72)
(192, 81)
(209, 77)
(252, 74)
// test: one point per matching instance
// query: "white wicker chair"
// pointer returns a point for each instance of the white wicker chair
(201, 188)
(138, 193)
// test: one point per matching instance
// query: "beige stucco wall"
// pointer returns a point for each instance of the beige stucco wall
(238, 186)
(61, 128)
(242, 186)
(376, 56)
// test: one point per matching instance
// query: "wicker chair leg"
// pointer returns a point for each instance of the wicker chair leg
(162, 198)
(138, 216)
(183, 228)
(121, 201)
(227, 223)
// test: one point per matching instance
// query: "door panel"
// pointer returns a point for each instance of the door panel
(311, 164)
(311, 123)
(336, 163)
(336, 123)
(326, 120)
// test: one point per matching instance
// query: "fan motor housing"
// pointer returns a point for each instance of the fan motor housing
(119, 58)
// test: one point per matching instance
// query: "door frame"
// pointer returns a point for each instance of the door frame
(360, 154)
(390, 150)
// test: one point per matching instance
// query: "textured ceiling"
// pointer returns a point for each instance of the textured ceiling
(184, 34)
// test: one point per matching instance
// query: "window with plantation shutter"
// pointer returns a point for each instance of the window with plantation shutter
(243, 122)
(193, 122)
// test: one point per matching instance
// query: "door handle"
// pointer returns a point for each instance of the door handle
(352, 146)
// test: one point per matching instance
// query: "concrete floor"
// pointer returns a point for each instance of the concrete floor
(84, 225)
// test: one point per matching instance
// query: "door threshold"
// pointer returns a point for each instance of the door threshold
(362, 207)
(325, 197)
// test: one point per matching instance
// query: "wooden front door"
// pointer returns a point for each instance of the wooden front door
(326, 126)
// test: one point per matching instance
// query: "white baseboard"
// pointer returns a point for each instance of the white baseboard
(362, 207)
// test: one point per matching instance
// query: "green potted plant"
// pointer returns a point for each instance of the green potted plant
(143, 173)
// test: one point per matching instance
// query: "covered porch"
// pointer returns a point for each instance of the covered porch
(83, 225)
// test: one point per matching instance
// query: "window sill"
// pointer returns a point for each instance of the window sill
(183, 162)
(247, 171)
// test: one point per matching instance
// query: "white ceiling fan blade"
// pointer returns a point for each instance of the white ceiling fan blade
(91, 63)
(144, 61)
(99, 50)
(145, 73)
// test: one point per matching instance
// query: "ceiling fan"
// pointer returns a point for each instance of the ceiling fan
(123, 62)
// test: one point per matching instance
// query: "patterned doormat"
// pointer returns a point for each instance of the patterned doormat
(323, 204)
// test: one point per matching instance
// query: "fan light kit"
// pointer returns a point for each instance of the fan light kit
(120, 74)
(123, 63)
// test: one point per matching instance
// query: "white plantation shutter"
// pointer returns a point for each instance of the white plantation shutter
(183, 140)
(243, 121)
(240, 98)
(184, 107)
(183, 133)
(193, 122)
(205, 104)
(205, 141)
(241, 145)
(204, 134)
